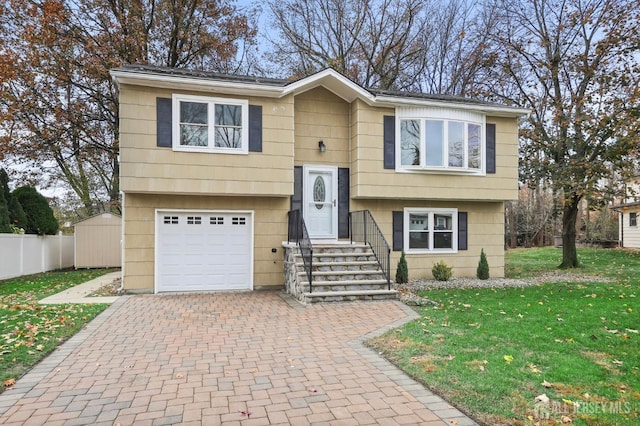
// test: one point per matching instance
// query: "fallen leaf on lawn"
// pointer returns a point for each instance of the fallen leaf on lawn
(611, 331)
(566, 419)
(567, 401)
(586, 395)
(616, 362)
(559, 319)
(450, 357)
(508, 358)
(546, 384)
(534, 368)
(631, 330)
(543, 398)
(8, 383)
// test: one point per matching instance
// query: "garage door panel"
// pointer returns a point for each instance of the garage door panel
(201, 252)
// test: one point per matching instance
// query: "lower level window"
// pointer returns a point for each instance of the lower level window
(430, 230)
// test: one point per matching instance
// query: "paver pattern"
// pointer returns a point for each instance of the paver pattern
(226, 358)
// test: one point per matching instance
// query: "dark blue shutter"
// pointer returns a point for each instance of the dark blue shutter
(491, 147)
(296, 198)
(389, 142)
(163, 122)
(462, 230)
(398, 231)
(343, 203)
(255, 128)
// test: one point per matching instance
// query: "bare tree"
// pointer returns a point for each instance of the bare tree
(575, 63)
(375, 43)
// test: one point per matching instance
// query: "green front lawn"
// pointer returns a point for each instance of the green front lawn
(29, 331)
(491, 352)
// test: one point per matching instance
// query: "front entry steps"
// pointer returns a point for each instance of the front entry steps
(341, 272)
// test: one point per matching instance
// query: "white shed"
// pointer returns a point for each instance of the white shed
(97, 241)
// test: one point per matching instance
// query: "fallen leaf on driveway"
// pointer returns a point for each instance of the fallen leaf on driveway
(9, 383)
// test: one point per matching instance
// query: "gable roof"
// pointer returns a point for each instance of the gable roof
(330, 79)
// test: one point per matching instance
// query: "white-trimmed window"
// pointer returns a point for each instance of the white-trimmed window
(430, 230)
(206, 124)
(432, 139)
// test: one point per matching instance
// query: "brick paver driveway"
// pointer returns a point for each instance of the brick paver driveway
(241, 358)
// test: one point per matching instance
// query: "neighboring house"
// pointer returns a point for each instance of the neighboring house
(97, 241)
(629, 211)
(210, 166)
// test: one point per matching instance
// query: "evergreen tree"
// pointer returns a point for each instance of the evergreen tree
(483, 267)
(402, 273)
(5, 221)
(39, 216)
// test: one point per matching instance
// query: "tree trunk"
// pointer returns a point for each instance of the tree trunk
(569, 216)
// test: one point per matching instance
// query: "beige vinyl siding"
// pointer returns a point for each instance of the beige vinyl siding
(371, 180)
(147, 168)
(97, 242)
(321, 115)
(485, 231)
(630, 234)
(270, 229)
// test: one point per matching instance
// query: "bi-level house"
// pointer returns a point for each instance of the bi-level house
(628, 209)
(218, 173)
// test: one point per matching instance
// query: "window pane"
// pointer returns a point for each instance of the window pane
(193, 135)
(456, 144)
(418, 222)
(419, 231)
(228, 137)
(442, 240)
(474, 146)
(228, 115)
(434, 142)
(410, 142)
(418, 240)
(193, 112)
(443, 222)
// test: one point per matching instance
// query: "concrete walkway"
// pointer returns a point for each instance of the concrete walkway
(80, 293)
(255, 358)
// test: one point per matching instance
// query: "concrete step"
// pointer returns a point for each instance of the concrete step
(347, 296)
(353, 275)
(346, 285)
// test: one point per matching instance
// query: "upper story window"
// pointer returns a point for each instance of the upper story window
(633, 219)
(210, 124)
(436, 139)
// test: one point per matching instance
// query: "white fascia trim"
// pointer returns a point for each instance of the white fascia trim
(329, 79)
(196, 84)
(503, 111)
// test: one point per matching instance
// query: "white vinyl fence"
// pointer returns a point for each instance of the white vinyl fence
(30, 254)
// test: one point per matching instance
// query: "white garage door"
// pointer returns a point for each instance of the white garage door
(204, 251)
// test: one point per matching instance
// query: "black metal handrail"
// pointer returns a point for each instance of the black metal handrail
(365, 229)
(297, 233)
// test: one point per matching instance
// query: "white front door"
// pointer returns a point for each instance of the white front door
(321, 201)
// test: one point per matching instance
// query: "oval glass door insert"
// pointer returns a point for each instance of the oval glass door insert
(319, 192)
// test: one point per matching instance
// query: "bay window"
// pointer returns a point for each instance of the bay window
(440, 143)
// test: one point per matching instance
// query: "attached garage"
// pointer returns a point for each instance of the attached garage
(204, 250)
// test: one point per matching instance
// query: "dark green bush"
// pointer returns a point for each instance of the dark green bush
(402, 273)
(483, 267)
(441, 271)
